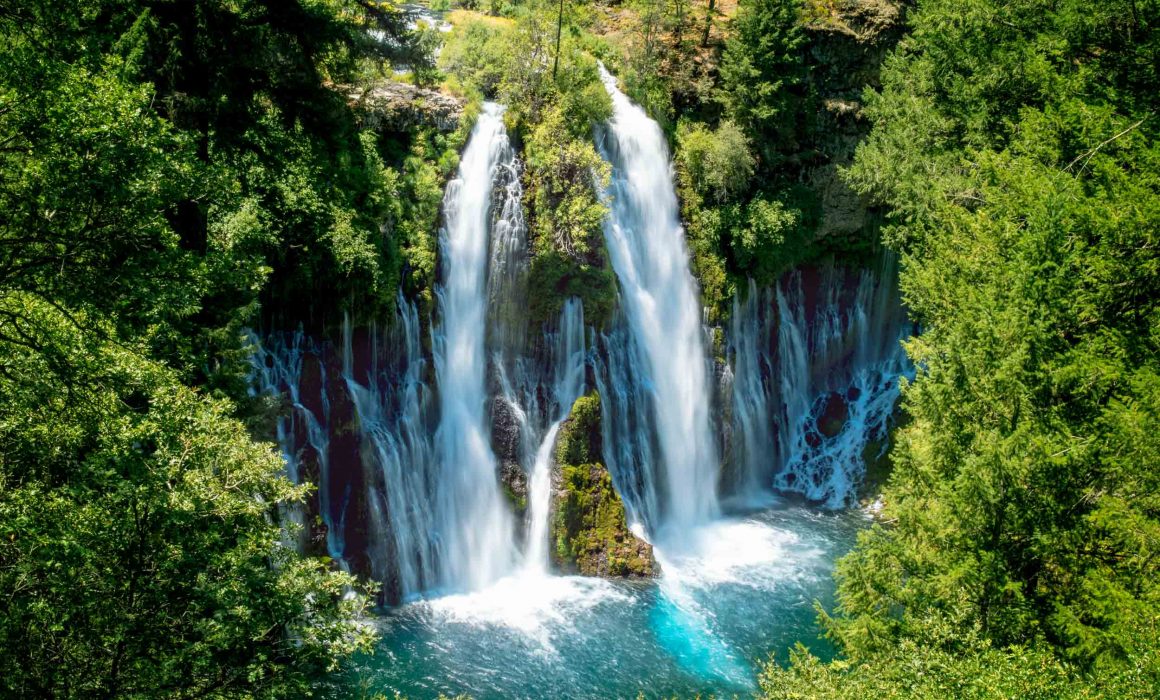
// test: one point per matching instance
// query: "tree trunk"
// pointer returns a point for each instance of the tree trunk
(559, 28)
(708, 23)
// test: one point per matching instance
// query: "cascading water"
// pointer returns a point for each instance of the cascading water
(394, 408)
(568, 362)
(303, 432)
(472, 522)
(815, 380)
(839, 383)
(408, 475)
(752, 451)
(507, 271)
(663, 354)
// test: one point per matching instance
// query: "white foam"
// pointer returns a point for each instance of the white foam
(534, 604)
(747, 552)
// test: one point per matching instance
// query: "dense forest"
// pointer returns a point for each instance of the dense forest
(176, 174)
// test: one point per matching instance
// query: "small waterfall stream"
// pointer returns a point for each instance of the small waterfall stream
(568, 364)
(752, 448)
(394, 407)
(839, 385)
(814, 381)
(663, 355)
(303, 431)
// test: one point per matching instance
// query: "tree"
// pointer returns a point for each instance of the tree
(763, 75)
(157, 160)
(136, 546)
(717, 163)
(712, 8)
(1014, 146)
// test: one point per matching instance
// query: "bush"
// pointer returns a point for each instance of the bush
(717, 163)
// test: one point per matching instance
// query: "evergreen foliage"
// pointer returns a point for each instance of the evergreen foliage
(1016, 148)
(166, 167)
(763, 75)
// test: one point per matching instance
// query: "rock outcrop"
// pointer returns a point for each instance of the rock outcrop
(589, 531)
(848, 40)
(395, 106)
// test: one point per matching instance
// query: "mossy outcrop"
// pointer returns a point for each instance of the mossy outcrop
(590, 533)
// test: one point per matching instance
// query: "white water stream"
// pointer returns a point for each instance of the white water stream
(473, 523)
(664, 353)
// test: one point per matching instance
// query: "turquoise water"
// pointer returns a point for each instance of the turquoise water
(730, 596)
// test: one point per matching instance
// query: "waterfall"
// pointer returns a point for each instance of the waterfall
(405, 443)
(472, 521)
(663, 353)
(752, 451)
(393, 406)
(815, 365)
(844, 379)
(507, 272)
(568, 364)
(303, 432)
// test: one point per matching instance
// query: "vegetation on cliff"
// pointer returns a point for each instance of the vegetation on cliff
(588, 528)
(554, 99)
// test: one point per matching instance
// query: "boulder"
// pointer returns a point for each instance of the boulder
(589, 529)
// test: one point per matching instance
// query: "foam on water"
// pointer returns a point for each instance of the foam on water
(746, 552)
(534, 604)
(739, 590)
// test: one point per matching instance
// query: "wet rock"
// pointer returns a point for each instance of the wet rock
(515, 485)
(505, 431)
(589, 530)
(834, 414)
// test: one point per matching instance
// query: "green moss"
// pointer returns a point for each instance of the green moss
(589, 528)
(518, 503)
(566, 217)
(579, 441)
(554, 277)
(591, 533)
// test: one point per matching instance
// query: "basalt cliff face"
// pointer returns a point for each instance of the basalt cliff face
(571, 433)
(389, 105)
(847, 42)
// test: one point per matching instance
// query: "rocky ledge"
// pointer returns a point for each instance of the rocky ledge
(395, 106)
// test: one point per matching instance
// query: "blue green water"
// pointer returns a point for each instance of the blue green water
(730, 596)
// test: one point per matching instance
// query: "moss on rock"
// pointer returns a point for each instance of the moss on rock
(590, 534)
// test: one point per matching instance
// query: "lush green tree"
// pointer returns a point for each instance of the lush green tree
(166, 166)
(1015, 146)
(763, 75)
(717, 162)
(137, 552)
(914, 671)
(764, 237)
